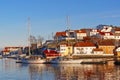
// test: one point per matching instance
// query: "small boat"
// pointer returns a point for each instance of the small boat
(33, 59)
(64, 60)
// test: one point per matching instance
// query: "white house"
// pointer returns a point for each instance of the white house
(106, 29)
(80, 34)
(94, 32)
(84, 48)
(106, 35)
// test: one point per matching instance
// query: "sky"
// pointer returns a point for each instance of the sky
(49, 16)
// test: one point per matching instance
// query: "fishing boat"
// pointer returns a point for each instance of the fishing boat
(64, 60)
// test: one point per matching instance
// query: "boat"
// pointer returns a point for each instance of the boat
(31, 59)
(64, 60)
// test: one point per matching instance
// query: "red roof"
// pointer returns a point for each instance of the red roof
(51, 53)
(97, 49)
(106, 42)
(84, 44)
(80, 31)
(60, 33)
(103, 33)
(117, 29)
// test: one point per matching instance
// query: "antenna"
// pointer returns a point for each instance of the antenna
(68, 23)
(29, 35)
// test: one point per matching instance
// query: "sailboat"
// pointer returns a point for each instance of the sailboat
(31, 59)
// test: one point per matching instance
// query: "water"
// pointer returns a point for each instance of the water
(9, 70)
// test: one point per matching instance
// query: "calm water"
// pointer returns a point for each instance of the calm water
(9, 70)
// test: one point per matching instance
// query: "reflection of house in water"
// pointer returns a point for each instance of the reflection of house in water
(83, 72)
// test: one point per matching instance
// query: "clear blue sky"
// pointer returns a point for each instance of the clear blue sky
(47, 16)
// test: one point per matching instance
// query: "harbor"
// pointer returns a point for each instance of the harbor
(59, 40)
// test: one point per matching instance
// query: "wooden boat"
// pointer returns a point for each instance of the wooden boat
(64, 60)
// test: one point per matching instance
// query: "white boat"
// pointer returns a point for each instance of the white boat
(64, 60)
(33, 59)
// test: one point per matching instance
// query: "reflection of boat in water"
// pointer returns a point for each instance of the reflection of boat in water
(64, 60)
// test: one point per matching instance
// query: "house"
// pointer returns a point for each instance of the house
(107, 29)
(117, 30)
(65, 35)
(105, 35)
(107, 46)
(80, 34)
(61, 36)
(8, 50)
(84, 47)
(65, 49)
(94, 32)
(98, 51)
(116, 36)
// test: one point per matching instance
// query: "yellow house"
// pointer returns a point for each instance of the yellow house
(107, 46)
(118, 51)
(66, 49)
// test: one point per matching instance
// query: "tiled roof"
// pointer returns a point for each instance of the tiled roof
(60, 34)
(103, 33)
(97, 49)
(117, 29)
(80, 31)
(84, 44)
(106, 42)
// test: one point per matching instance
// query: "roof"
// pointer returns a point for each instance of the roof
(60, 34)
(117, 29)
(84, 44)
(103, 33)
(80, 31)
(97, 49)
(106, 42)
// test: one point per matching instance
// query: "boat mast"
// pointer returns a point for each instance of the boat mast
(68, 30)
(68, 23)
(29, 35)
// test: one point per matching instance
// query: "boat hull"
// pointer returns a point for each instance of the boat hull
(33, 61)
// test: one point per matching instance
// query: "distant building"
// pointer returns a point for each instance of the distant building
(80, 34)
(7, 50)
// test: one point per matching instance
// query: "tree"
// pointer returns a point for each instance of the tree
(33, 39)
(40, 40)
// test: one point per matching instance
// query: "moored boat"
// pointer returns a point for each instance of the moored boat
(33, 59)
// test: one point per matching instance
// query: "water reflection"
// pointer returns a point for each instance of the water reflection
(74, 72)
(9, 70)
